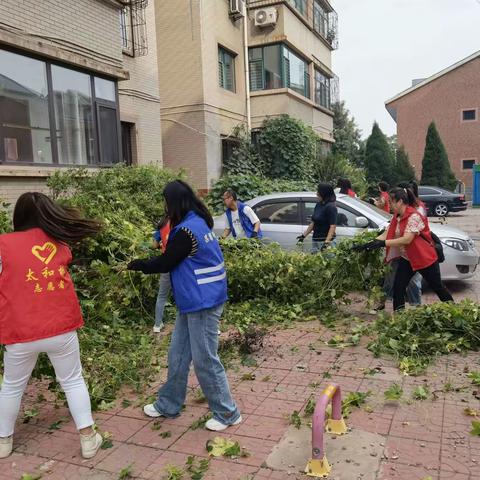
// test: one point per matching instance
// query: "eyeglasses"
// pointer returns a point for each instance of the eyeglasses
(226, 197)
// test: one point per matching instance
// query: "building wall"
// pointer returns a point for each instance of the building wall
(140, 99)
(86, 34)
(442, 101)
(196, 112)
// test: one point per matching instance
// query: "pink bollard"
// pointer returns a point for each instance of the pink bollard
(318, 466)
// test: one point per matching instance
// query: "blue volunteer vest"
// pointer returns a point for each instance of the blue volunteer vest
(244, 220)
(200, 281)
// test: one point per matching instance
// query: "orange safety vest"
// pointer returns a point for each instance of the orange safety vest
(37, 295)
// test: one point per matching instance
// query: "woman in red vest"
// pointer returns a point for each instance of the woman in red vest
(383, 201)
(408, 239)
(39, 311)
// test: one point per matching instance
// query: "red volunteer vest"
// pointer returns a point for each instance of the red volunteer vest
(37, 295)
(386, 198)
(421, 253)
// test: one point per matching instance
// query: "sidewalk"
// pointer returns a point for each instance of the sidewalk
(422, 439)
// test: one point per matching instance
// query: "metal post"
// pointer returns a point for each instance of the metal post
(247, 70)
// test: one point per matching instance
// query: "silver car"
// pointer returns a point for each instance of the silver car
(284, 216)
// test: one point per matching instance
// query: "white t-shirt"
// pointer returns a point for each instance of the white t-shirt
(237, 225)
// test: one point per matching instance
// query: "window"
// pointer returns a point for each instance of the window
(345, 217)
(428, 191)
(279, 212)
(320, 19)
(468, 164)
(228, 147)
(226, 69)
(469, 115)
(276, 66)
(300, 5)
(25, 134)
(322, 90)
(52, 114)
(126, 29)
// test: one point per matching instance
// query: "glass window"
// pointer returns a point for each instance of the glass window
(226, 69)
(427, 191)
(322, 90)
(296, 73)
(272, 66)
(300, 5)
(24, 116)
(279, 212)
(105, 89)
(73, 116)
(108, 135)
(320, 18)
(345, 217)
(468, 164)
(469, 115)
(126, 29)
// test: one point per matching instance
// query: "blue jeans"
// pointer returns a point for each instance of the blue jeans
(414, 288)
(317, 245)
(196, 338)
(162, 298)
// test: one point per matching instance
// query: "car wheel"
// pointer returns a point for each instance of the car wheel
(441, 210)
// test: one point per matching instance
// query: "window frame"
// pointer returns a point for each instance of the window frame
(285, 79)
(474, 160)
(222, 51)
(274, 201)
(468, 120)
(301, 6)
(436, 192)
(51, 112)
(329, 89)
(126, 30)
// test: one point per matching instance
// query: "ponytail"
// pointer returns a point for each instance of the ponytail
(405, 195)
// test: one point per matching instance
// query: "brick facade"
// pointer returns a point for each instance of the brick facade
(442, 100)
(85, 34)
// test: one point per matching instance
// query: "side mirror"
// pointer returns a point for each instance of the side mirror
(361, 222)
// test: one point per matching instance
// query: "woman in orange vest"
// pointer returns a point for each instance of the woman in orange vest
(39, 311)
(408, 239)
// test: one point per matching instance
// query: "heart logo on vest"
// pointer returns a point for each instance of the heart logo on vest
(45, 252)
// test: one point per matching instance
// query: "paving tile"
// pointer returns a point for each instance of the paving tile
(139, 457)
(398, 471)
(193, 442)
(229, 470)
(267, 428)
(293, 393)
(413, 452)
(274, 375)
(17, 464)
(248, 403)
(157, 469)
(188, 416)
(272, 407)
(256, 386)
(161, 438)
(67, 471)
(370, 422)
(122, 428)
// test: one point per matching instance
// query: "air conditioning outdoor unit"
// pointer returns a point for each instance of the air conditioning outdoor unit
(265, 17)
(237, 8)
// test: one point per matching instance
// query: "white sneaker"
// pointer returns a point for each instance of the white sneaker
(219, 332)
(157, 329)
(6, 446)
(151, 411)
(217, 426)
(90, 444)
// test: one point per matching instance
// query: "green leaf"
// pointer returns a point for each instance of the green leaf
(420, 393)
(475, 431)
(394, 392)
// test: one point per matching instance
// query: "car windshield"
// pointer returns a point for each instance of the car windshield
(381, 213)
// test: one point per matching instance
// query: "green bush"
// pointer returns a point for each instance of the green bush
(5, 221)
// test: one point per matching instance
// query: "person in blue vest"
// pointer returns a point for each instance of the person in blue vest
(199, 282)
(240, 220)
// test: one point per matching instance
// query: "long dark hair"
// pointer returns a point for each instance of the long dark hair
(181, 199)
(345, 185)
(325, 190)
(65, 224)
(405, 195)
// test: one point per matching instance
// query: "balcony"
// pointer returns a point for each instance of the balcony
(318, 15)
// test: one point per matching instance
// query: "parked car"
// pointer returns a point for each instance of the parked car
(441, 202)
(284, 216)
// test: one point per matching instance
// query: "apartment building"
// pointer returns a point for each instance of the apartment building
(450, 98)
(224, 63)
(78, 87)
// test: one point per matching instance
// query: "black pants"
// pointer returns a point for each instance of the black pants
(431, 275)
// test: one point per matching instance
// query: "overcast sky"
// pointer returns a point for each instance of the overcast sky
(384, 44)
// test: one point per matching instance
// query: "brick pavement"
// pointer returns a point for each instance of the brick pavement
(422, 438)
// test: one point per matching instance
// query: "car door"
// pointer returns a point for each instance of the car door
(347, 220)
(281, 220)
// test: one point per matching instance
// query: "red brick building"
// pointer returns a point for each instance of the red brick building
(450, 98)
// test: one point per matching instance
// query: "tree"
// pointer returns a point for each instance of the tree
(404, 170)
(379, 158)
(347, 135)
(435, 165)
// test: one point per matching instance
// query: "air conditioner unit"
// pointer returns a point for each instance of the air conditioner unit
(237, 8)
(265, 17)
